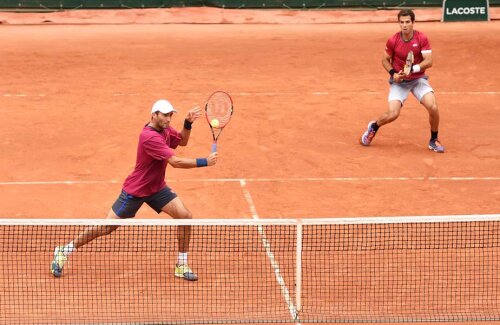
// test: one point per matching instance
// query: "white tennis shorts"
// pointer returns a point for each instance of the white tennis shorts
(418, 87)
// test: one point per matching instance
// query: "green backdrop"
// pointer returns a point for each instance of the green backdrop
(93, 4)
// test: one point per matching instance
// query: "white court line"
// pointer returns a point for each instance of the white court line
(468, 92)
(323, 93)
(59, 182)
(267, 246)
(248, 198)
(239, 180)
(22, 95)
(278, 93)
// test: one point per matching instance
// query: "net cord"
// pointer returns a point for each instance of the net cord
(252, 222)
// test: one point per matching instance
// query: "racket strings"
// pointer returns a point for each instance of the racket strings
(223, 120)
(220, 108)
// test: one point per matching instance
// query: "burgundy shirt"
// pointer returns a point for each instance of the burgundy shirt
(398, 49)
(153, 151)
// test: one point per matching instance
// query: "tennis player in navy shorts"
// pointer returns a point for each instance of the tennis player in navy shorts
(146, 184)
(414, 80)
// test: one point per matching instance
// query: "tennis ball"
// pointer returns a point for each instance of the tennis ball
(214, 123)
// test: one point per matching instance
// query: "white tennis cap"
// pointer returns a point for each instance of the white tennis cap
(163, 106)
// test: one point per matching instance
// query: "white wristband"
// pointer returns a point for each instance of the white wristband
(415, 68)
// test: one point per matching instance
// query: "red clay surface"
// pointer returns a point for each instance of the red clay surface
(73, 99)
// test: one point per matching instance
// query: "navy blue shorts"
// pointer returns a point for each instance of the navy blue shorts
(126, 206)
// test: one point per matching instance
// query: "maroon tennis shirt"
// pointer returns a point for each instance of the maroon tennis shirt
(397, 49)
(153, 151)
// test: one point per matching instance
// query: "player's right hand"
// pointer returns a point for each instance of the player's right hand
(212, 159)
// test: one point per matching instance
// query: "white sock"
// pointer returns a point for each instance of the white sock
(182, 258)
(68, 249)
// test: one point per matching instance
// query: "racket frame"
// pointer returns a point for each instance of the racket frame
(220, 128)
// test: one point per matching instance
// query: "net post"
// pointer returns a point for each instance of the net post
(298, 267)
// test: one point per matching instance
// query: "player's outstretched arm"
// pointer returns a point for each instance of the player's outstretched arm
(180, 162)
(191, 116)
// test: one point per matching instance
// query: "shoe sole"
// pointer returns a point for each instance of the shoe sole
(435, 150)
(55, 272)
(362, 143)
(187, 277)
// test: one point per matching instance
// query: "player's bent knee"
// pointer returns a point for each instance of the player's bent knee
(187, 215)
(182, 214)
(433, 109)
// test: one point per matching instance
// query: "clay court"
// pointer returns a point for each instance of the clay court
(74, 98)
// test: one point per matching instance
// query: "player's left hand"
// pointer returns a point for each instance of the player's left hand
(193, 114)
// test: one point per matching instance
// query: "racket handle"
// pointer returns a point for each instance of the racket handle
(214, 147)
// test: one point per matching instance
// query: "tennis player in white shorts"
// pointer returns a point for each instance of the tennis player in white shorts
(406, 57)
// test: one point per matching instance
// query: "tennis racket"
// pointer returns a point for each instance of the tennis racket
(218, 111)
(408, 63)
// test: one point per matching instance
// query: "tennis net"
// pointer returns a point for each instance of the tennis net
(443, 268)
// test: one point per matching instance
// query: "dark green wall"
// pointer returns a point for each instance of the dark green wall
(92, 4)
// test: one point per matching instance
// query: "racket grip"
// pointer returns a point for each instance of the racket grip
(214, 147)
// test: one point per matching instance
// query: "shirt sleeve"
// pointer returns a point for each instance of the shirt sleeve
(389, 47)
(174, 138)
(157, 148)
(425, 46)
